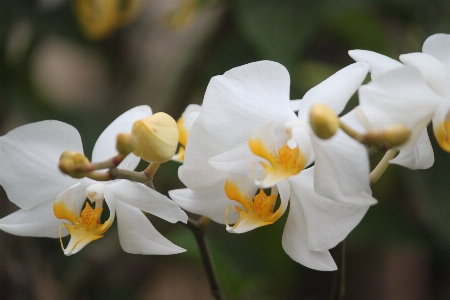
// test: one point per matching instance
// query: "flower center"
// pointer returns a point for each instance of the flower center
(284, 164)
(442, 135)
(257, 211)
(86, 226)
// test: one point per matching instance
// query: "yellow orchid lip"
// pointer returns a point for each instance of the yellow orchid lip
(282, 165)
(257, 212)
(442, 135)
(86, 225)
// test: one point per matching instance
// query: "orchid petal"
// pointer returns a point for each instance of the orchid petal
(378, 63)
(30, 154)
(435, 73)
(438, 45)
(105, 147)
(336, 90)
(327, 221)
(148, 200)
(399, 96)
(285, 193)
(211, 202)
(196, 173)
(244, 97)
(419, 156)
(294, 242)
(236, 161)
(295, 104)
(342, 170)
(137, 235)
(37, 221)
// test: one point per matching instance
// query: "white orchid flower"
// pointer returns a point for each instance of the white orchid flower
(247, 117)
(403, 95)
(29, 157)
(434, 65)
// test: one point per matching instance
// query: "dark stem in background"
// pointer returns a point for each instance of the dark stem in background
(198, 229)
(338, 290)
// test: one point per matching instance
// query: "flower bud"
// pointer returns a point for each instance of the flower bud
(323, 120)
(73, 164)
(396, 135)
(156, 137)
(125, 143)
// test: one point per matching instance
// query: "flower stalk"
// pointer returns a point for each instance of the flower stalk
(198, 230)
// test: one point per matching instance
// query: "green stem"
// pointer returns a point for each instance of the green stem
(198, 229)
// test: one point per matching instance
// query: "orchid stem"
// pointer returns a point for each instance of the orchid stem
(382, 166)
(141, 177)
(338, 290)
(198, 229)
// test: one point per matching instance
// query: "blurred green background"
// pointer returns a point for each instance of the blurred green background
(164, 57)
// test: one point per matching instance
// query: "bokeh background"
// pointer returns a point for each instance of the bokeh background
(163, 54)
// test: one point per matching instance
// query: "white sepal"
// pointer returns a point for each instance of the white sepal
(144, 198)
(378, 63)
(29, 157)
(342, 170)
(336, 90)
(105, 147)
(328, 221)
(138, 236)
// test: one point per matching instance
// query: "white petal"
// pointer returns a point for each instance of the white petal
(419, 156)
(105, 147)
(196, 173)
(190, 115)
(435, 73)
(301, 136)
(285, 193)
(29, 157)
(148, 200)
(295, 104)
(336, 90)
(236, 161)
(327, 221)
(37, 221)
(243, 98)
(138, 236)
(342, 170)
(378, 63)
(294, 242)
(397, 97)
(211, 202)
(355, 119)
(438, 45)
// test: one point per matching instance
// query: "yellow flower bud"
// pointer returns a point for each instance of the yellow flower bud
(396, 135)
(125, 143)
(323, 120)
(156, 137)
(73, 164)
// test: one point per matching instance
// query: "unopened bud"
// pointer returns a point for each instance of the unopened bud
(156, 137)
(125, 143)
(396, 135)
(73, 164)
(323, 120)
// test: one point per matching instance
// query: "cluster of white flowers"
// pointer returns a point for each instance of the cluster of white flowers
(246, 139)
